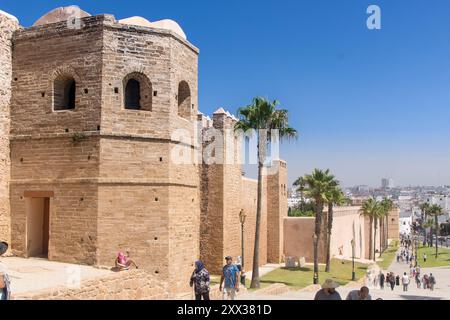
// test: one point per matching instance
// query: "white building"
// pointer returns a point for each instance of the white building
(292, 202)
(405, 223)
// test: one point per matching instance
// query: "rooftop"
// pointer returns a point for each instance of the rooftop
(74, 12)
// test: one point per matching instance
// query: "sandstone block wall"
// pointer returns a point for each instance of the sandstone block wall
(249, 196)
(130, 285)
(277, 209)
(8, 24)
(393, 224)
(45, 156)
(120, 179)
(113, 183)
(348, 224)
(224, 192)
(139, 157)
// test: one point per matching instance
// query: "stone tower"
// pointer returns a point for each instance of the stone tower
(277, 209)
(95, 107)
(8, 24)
(225, 192)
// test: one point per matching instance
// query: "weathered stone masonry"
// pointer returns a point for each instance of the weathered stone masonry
(90, 119)
(8, 25)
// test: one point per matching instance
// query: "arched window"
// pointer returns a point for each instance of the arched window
(133, 95)
(64, 93)
(137, 92)
(184, 100)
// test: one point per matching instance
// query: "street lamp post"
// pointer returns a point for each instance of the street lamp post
(416, 245)
(353, 260)
(316, 274)
(242, 217)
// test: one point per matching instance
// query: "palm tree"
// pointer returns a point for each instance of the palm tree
(377, 215)
(262, 116)
(301, 184)
(387, 205)
(317, 185)
(425, 208)
(335, 196)
(370, 209)
(436, 211)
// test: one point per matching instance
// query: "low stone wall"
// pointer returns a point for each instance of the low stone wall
(129, 285)
(274, 289)
(216, 294)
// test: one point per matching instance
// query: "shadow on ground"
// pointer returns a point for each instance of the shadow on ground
(419, 298)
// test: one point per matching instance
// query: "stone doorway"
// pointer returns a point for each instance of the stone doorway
(38, 227)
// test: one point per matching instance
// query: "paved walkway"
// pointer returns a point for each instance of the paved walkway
(31, 275)
(441, 292)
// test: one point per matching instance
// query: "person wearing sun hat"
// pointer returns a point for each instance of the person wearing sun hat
(5, 290)
(328, 291)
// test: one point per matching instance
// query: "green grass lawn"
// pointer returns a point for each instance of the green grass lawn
(443, 259)
(302, 277)
(388, 255)
(213, 280)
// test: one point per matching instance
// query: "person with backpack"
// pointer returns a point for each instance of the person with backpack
(392, 281)
(418, 281)
(5, 286)
(382, 279)
(432, 282)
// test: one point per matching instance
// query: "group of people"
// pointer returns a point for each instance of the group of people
(231, 274)
(328, 292)
(229, 280)
(426, 282)
(405, 256)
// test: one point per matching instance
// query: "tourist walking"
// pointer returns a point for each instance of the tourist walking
(432, 282)
(418, 282)
(392, 281)
(382, 278)
(424, 257)
(361, 294)
(405, 282)
(397, 280)
(328, 291)
(200, 279)
(5, 287)
(418, 270)
(376, 280)
(230, 275)
(425, 281)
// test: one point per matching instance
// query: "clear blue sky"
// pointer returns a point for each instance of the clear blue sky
(367, 103)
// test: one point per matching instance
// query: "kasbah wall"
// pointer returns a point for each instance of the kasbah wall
(105, 173)
(348, 225)
(8, 25)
